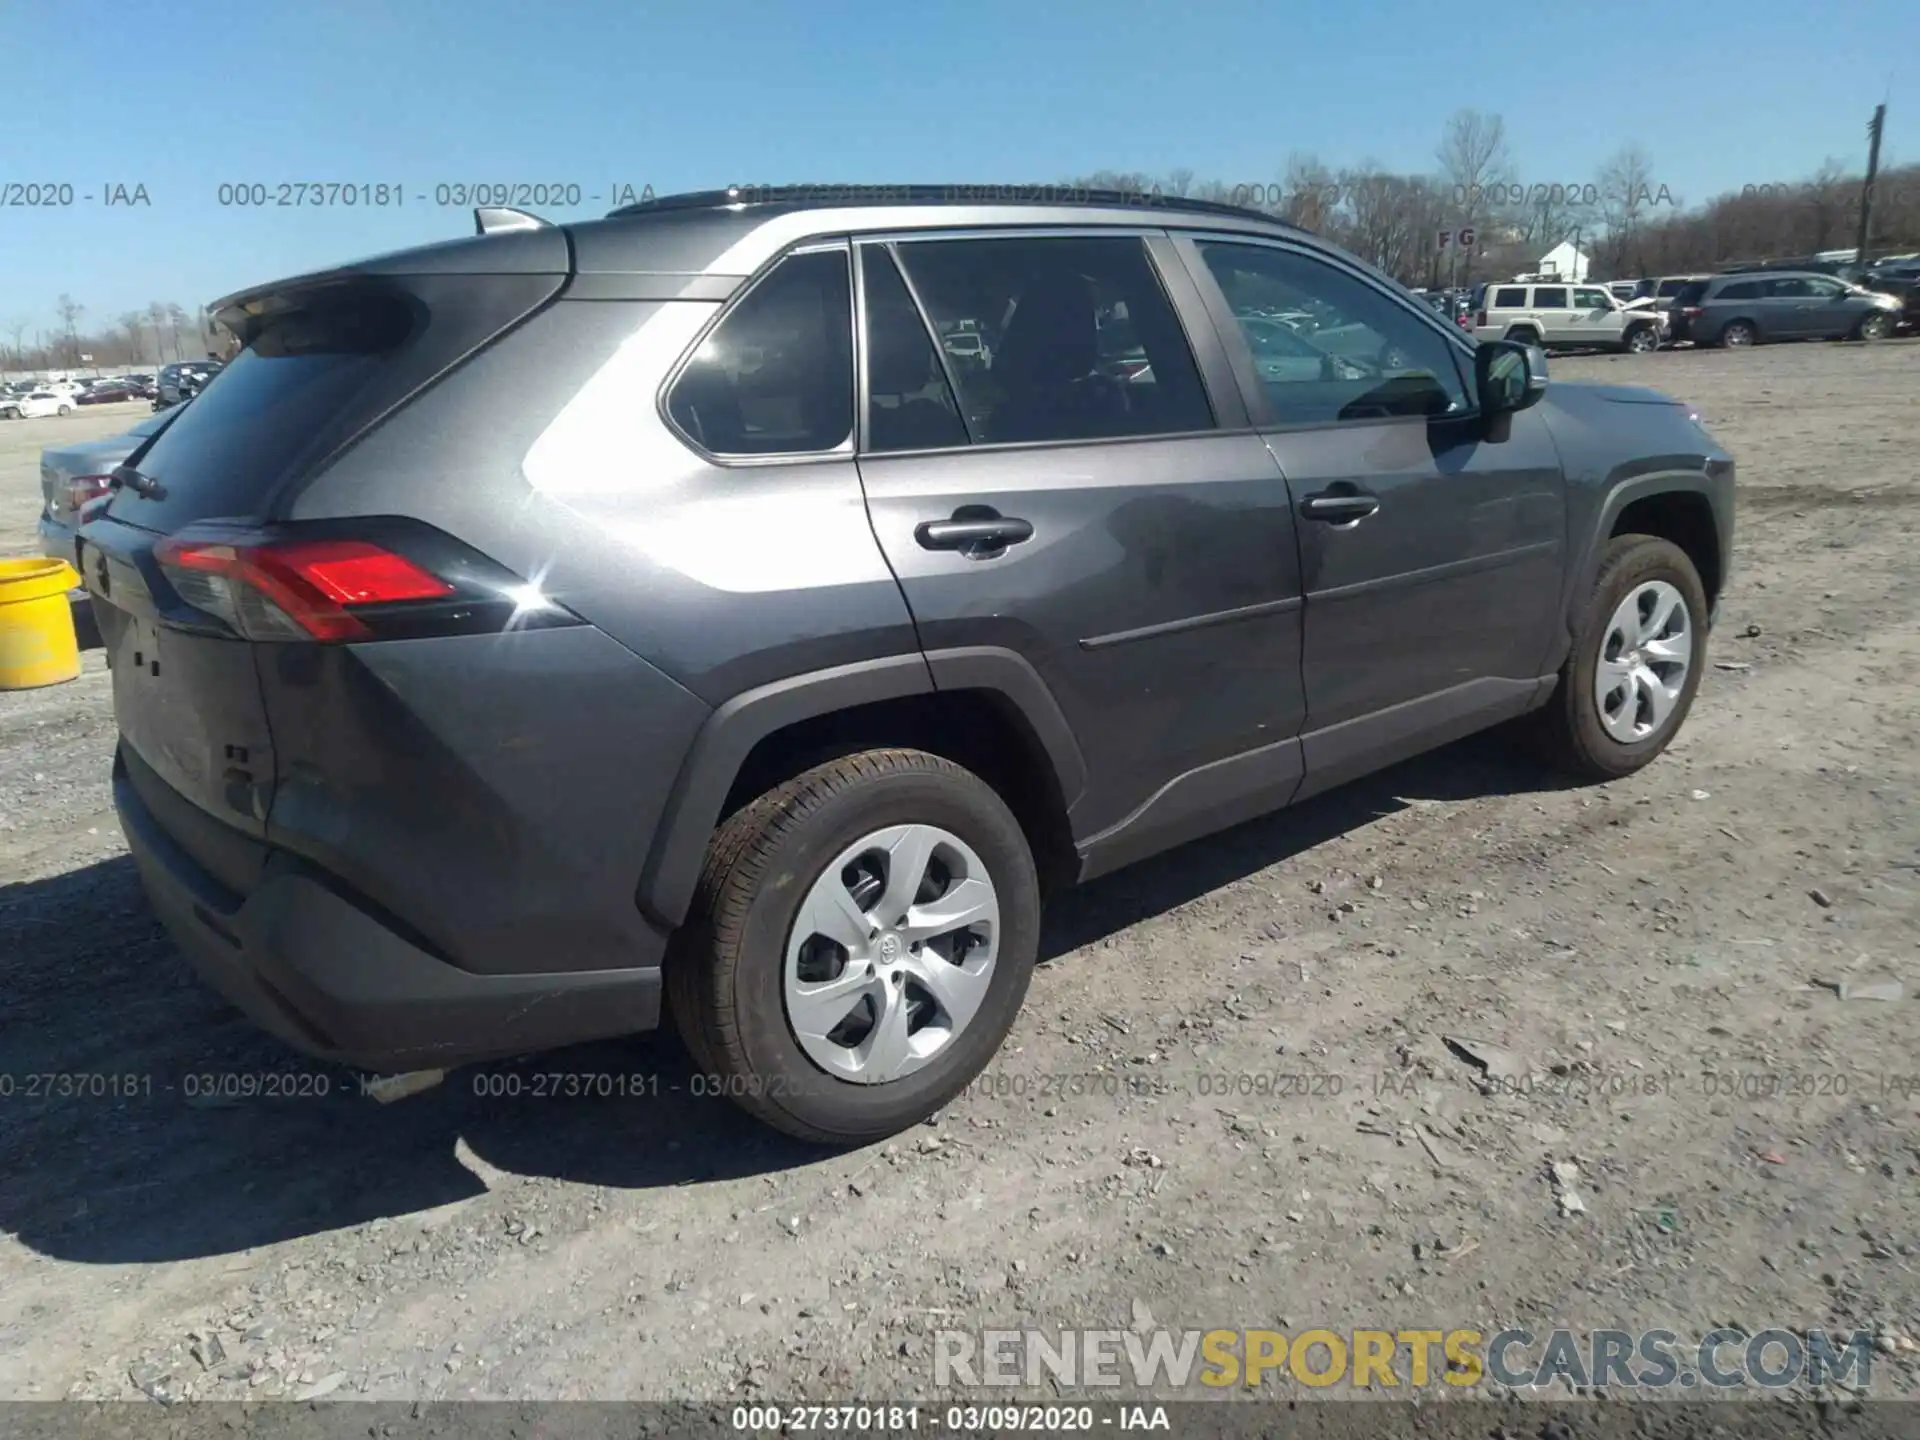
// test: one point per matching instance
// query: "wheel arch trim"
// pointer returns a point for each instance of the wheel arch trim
(730, 733)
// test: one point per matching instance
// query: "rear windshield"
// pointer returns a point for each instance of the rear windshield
(1690, 292)
(247, 428)
(1671, 288)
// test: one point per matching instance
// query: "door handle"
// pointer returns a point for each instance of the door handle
(978, 536)
(1339, 507)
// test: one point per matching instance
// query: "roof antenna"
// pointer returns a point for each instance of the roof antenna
(496, 219)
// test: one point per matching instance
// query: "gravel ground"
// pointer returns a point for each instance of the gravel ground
(1622, 954)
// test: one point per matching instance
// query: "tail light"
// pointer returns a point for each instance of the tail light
(1689, 309)
(337, 588)
(82, 488)
(1481, 318)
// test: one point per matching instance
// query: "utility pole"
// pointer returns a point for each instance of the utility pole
(1874, 128)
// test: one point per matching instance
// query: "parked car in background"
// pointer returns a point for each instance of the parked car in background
(989, 633)
(1627, 291)
(1899, 278)
(107, 392)
(1748, 307)
(1564, 317)
(37, 405)
(1667, 286)
(180, 381)
(71, 475)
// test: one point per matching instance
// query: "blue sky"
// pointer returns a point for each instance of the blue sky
(689, 96)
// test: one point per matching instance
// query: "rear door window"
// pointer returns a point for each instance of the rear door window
(1082, 342)
(1550, 297)
(910, 405)
(1743, 290)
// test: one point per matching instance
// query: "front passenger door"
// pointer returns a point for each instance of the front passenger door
(1074, 499)
(1431, 550)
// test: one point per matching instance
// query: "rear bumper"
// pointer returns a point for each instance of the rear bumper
(310, 966)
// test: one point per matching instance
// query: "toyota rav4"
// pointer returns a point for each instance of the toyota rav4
(534, 635)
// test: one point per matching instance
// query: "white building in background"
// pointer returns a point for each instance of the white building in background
(1565, 262)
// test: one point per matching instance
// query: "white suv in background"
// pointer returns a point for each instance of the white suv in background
(1564, 316)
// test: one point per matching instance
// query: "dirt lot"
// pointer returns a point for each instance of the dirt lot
(1637, 948)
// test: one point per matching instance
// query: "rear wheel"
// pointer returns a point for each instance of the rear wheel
(859, 945)
(1738, 335)
(1630, 679)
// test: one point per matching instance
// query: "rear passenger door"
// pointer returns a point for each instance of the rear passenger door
(1551, 313)
(1089, 497)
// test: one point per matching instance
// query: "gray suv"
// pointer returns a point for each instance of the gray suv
(1747, 307)
(528, 635)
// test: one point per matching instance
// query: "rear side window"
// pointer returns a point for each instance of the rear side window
(1511, 297)
(775, 377)
(1550, 297)
(1081, 342)
(256, 416)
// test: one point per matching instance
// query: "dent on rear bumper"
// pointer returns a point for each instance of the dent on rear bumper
(310, 966)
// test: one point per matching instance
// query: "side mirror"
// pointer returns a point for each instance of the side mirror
(1508, 376)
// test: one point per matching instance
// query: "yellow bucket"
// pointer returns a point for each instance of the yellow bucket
(37, 642)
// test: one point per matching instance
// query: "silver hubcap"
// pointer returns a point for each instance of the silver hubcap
(892, 953)
(1739, 335)
(1643, 663)
(1642, 341)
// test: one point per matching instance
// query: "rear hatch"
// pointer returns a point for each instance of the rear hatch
(195, 569)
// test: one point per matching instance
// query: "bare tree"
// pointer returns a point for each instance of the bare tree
(1476, 166)
(134, 324)
(157, 318)
(70, 310)
(1310, 192)
(17, 328)
(176, 317)
(1179, 182)
(1627, 196)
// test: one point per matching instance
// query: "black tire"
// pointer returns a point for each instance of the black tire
(1570, 722)
(1875, 326)
(1738, 335)
(725, 973)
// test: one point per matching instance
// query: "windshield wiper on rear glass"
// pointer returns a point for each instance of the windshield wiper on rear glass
(145, 486)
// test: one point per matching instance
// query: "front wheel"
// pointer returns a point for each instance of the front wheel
(859, 945)
(1635, 664)
(1642, 340)
(1876, 326)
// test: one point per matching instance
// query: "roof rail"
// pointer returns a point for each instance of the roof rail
(802, 197)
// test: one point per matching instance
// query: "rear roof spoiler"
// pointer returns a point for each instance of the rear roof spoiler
(492, 219)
